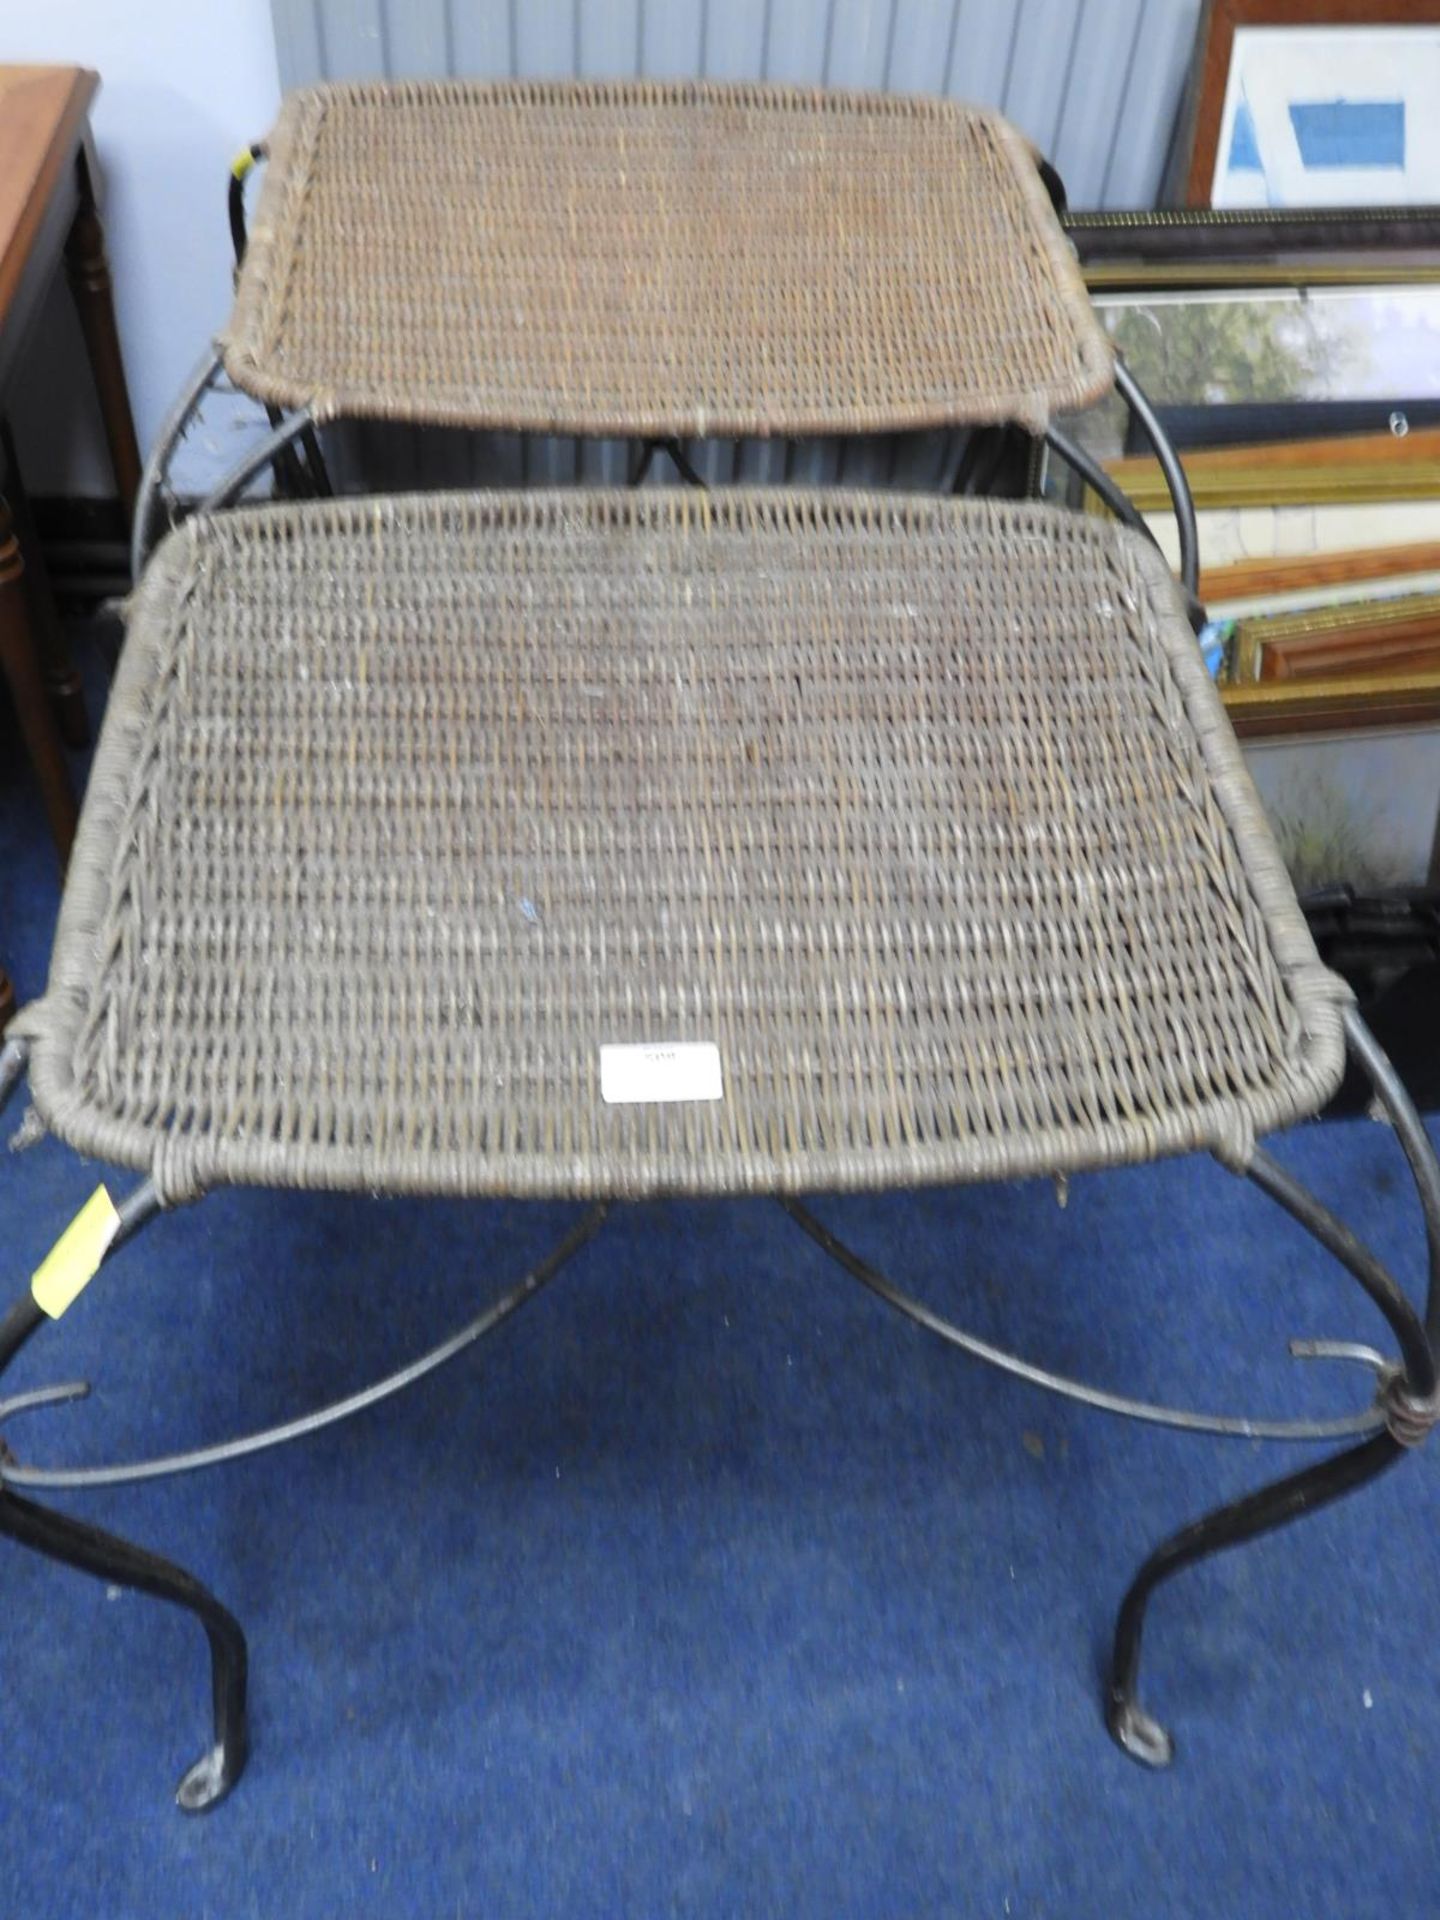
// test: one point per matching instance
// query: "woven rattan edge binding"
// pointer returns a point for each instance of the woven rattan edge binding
(260, 294)
(53, 1022)
(185, 1168)
(1319, 995)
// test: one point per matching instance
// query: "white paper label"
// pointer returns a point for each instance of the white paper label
(668, 1070)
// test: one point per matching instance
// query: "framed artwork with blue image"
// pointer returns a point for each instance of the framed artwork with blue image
(1314, 103)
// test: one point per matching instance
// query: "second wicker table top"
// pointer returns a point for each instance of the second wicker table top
(634, 258)
(918, 818)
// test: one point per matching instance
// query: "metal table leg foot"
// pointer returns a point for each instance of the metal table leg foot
(76, 1544)
(1406, 1408)
(1131, 1727)
(1409, 1399)
(105, 1555)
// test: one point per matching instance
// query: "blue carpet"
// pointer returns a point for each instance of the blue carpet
(709, 1586)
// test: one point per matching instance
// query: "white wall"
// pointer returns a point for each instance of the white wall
(184, 84)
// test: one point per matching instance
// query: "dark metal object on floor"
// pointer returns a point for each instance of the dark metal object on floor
(77, 1544)
(1135, 1730)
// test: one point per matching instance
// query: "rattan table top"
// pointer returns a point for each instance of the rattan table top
(632, 257)
(922, 813)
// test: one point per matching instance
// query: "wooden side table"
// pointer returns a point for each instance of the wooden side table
(49, 210)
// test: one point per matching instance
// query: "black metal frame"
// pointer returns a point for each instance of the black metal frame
(1211, 235)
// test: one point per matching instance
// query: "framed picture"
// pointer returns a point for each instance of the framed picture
(1337, 708)
(1190, 247)
(1314, 103)
(1291, 548)
(1309, 418)
(1354, 470)
(1357, 807)
(1244, 363)
(1392, 635)
(1278, 582)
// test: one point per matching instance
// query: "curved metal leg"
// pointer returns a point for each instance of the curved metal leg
(77, 1544)
(1138, 1732)
(1095, 477)
(1408, 1397)
(1054, 186)
(1179, 1419)
(284, 433)
(107, 1557)
(1134, 397)
(262, 454)
(157, 462)
(678, 457)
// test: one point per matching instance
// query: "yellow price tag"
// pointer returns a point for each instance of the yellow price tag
(74, 1260)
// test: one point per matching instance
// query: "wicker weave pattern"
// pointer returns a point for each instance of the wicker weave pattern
(638, 258)
(923, 811)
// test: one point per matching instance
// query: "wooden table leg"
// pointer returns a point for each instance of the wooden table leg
(21, 669)
(57, 663)
(89, 274)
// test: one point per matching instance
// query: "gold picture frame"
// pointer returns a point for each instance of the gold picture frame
(1370, 701)
(1351, 470)
(1204, 115)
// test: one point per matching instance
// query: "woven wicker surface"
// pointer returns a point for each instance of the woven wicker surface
(629, 257)
(923, 812)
